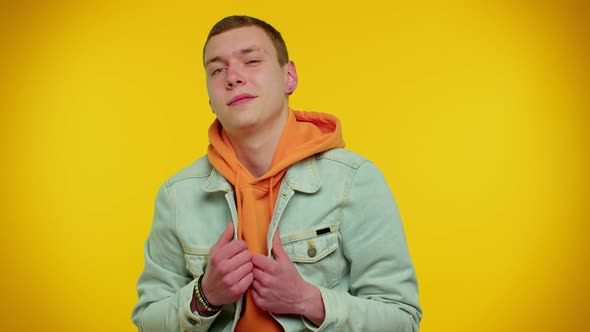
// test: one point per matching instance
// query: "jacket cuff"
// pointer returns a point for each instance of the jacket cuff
(335, 311)
(188, 319)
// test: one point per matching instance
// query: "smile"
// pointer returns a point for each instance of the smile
(240, 99)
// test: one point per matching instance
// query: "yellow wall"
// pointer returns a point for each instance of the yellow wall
(477, 114)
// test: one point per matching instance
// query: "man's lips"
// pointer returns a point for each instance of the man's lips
(240, 99)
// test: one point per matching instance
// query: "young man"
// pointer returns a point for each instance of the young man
(278, 228)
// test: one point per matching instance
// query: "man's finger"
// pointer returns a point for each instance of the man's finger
(262, 262)
(225, 238)
(277, 248)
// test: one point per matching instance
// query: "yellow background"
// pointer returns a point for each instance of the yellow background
(477, 114)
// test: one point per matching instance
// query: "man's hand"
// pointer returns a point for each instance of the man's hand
(279, 288)
(229, 270)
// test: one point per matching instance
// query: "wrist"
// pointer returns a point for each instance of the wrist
(203, 306)
(313, 306)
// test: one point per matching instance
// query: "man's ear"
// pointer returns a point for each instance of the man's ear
(292, 79)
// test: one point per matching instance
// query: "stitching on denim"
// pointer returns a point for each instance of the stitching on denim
(198, 169)
(335, 277)
(353, 160)
(340, 160)
(302, 188)
(222, 185)
(307, 235)
(196, 251)
(171, 194)
(340, 213)
(173, 180)
(346, 194)
(209, 180)
(345, 201)
(319, 257)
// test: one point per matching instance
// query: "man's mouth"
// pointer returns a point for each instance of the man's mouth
(240, 99)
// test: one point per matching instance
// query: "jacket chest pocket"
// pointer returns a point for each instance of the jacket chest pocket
(196, 260)
(315, 256)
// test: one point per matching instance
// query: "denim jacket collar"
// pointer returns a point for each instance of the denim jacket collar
(216, 182)
(301, 176)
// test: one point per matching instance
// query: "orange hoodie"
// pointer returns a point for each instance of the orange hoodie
(305, 134)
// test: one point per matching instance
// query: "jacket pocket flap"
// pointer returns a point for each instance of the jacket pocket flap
(313, 249)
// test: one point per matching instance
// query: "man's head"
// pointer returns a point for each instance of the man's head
(249, 80)
(233, 22)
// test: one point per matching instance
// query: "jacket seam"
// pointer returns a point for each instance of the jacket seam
(344, 200)
(297, 186)
(172, 181)
(172, 200)
(345, 161)
(346, 197)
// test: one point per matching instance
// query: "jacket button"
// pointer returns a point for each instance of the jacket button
(311, 252)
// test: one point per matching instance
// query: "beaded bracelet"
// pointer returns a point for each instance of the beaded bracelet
(202, 299)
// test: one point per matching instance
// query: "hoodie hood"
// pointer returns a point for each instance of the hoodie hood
(305, 134)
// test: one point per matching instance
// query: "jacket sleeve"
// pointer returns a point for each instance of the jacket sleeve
(383, 294)
(165, 288)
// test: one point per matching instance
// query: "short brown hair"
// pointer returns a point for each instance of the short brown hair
(236, 21)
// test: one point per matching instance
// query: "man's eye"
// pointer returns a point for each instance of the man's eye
(217, 71)
(252, 62)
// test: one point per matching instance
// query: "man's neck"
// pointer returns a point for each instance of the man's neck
(256, 149)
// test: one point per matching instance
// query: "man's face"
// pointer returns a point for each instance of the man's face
(248, 88)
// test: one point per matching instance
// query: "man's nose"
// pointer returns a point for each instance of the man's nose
(234, 77)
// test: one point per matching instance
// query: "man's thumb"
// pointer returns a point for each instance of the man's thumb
(226, 236)
(277, 248)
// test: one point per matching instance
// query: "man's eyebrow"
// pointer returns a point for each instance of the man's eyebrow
(249, 50)
(213, 59)
(244, 51)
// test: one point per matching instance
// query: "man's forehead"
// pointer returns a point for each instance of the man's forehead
(240, 52)
(236, 41)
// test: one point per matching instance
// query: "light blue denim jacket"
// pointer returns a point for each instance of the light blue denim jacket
(336, 202)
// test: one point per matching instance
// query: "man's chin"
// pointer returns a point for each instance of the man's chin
(239, 126)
